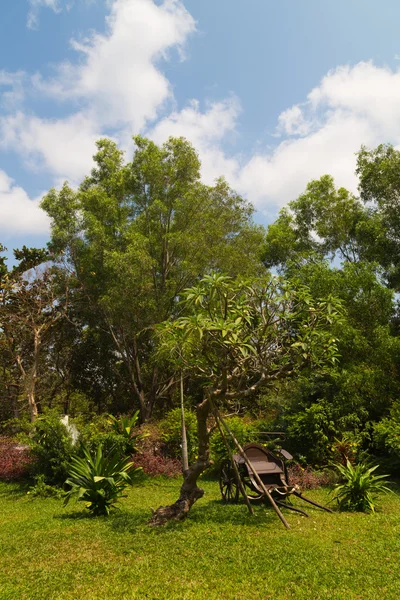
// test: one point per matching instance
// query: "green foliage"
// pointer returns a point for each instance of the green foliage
(239, 335)
(100, 431)
(146, 230)
(171, 433)
(241, 428)
(125, 427)
(386, 439)
(310, 433)
(99, 480)
(51, 446)
(359, 487)
(42, 490)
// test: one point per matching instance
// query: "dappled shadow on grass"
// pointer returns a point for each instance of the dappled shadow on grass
(14, 490)
(214, 512)
(83, 514)
(124, 521)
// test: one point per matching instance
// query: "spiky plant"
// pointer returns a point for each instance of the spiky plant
(359, 487)
(99, 480)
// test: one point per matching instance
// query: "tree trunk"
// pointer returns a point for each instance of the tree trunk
(190, 492)
(32, 378)
(185, 458)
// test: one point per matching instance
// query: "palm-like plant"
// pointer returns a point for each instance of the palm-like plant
(359, 487)
(99, 480)
(125, 426)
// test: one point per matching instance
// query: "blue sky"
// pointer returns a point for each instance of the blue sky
(272, 94)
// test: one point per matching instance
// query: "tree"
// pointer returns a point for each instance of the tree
(324, 221)
(137, 234)
(326, 226)
(364, 383)
(379, 174)
(10, 380)
(237, 337)
(31, 305)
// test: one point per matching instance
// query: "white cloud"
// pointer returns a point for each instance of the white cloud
(118, 85)
(62, 147)
(18, 213)
(11, 89)
(119, 79)
(351, 106)
(35, 7)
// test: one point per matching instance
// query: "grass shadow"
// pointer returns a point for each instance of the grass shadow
(75, 516)
(128, 522)
(14, 489)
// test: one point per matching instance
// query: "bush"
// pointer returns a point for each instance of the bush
(171, 433)
(386, 440)
(99, 480)
(51, 448)
(126, 428)
(359, 487)
(307, 478)
(242, 429)
(310, 433)
(15, 460)
(154, 465)
(111, 433)
(42, 490)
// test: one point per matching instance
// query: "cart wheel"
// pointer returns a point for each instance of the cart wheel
(228, 483)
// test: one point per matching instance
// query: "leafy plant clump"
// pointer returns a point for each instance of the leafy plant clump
(99, 480)
(126, 428)
(155, 465)
(42, 490)
(15, 460)
(51, 447)
(359, 487)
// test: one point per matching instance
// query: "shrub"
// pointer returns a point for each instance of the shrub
(42, 490)
(15, 460)
(386, 439)
(311, 431)
(126, 428)
(359, 487)
(242, 429)
(51, 448)
(99, 480)
(110, 432)
(154, 465)
(171, 433)
(307, 478)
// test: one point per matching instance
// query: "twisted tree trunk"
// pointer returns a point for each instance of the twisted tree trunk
(190, 492)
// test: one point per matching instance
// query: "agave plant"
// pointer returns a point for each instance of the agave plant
(125, 426)
(359, 487)
(99, 480)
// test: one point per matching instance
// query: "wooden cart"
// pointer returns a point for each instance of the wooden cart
(263, 475)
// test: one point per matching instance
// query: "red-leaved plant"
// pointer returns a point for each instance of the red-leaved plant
(15, 459)
(154, 465)
(306, 478)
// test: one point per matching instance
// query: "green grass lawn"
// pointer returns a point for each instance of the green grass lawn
(219, 552)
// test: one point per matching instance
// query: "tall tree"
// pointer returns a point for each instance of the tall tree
(30, 306)
(137, 234)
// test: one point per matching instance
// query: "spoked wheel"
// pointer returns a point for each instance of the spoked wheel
(227, 483)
